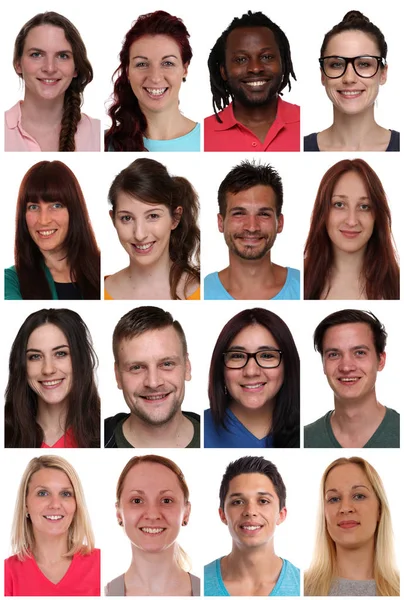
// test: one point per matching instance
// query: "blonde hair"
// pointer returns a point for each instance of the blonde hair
(80, 534)
(181, 557)
(323, 568)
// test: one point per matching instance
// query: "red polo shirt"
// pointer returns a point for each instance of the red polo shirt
(232, 136)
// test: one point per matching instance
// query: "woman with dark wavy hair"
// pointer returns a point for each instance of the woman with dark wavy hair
(155, 216)
(350, 252)
(145, 111)
(51, 396)
(56, 255)
(254, 384)
(51, 58)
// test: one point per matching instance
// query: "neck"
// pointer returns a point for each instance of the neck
(163, 125)
(350, 417)
(353, 130)
(46, 113)
(153, 571)
(52, 417)
(257, 421)
(49, 549)
(254, 563)
(350, 264)
(143, 435)
(356, 563)
(150, 274)
(251, 114)
(253, 272)
(56, 260)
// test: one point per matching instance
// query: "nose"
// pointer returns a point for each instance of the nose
(152, 511)
(48, 365)
(251, 223)
(255, 64)
(49, 64)
(250, 509)
(349, 76)
(252, 368)
(351, 217)
(346, 505)
(43, 216)
(54, 501)
(140, 230)
(346, 364)
(153, 378)
(154, 73)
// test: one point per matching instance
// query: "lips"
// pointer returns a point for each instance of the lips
(253, 387)
(350, 94)
(348, 381)
(251, 528)
(152, 530)
(349, 234)
(143, 248)
(46, 233)
(348, 524)
(155, 93)
(51, 384)
(53, 518)
(155, 397)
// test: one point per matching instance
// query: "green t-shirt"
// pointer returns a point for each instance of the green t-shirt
(122, 442)
(320, 434)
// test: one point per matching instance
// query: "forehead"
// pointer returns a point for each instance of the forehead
(250, 483)
(50, 476)
(352, 43)
(255, 198)
(151, 477)
(348, 336)
(253, 337)
(47, 36)
(251, 39)
(151, 345)
(134, 205)
(350, 184)
(155, 46)
(47, 335)
(346, 476)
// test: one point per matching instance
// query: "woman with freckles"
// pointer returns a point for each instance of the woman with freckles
(351, 225)
(152, 504)
(353, 67)
(354, 552)
(52, 539)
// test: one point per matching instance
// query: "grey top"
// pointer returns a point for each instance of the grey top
(352, 587)
(116, 587)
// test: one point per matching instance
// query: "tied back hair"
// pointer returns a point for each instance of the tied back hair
(354, 20)
(73, 98)
(221, 95)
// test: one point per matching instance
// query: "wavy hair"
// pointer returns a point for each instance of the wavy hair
(80, 534)
(149, 181)
(285, 429)
(323, 568)
(73, 98)
(129, 124)
(380, 269)
(83, 413)
(181, 556)
(53, 181)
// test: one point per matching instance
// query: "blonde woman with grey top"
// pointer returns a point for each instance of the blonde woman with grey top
(152, 504)
(354, 553)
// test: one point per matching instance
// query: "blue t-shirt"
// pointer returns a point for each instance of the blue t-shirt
(288, 583)
(214, 290)
(189, 142)
(236, 436)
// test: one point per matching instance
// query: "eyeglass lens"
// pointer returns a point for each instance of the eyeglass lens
(264, 358)
(364, 66)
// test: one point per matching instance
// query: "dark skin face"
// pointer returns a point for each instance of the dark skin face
(253, 72)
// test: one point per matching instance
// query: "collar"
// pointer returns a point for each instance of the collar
(13, 116)
(285, 113)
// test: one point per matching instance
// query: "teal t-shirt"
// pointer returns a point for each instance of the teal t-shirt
(214, 290)
(189, 142)
(288, 583)
(320, 434)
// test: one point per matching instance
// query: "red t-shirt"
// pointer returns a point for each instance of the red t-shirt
(232, 136)
(66, 441)
(24, 578)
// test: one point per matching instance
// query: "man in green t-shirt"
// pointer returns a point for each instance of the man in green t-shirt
(352, 345)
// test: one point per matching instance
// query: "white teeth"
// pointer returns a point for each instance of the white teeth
(253, 387)
(152, 529)
(144, 246)
(47, 232)
(156, 397)
(348, 378)
(346, 93)
(50, 383)
(54, 517)
(156, 91)
(255, 83)
(251, 527)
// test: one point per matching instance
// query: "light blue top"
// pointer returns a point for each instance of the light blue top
(288, 583)
(214, 290)
(186, 143)
(235, 436)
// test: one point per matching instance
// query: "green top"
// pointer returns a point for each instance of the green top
(12, 285)
(320, 434)
(122, 442)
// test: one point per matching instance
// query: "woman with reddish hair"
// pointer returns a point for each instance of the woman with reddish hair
(350, 252)
(145, 112)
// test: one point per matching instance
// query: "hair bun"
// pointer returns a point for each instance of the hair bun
(354, 15)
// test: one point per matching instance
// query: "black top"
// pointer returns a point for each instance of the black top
(310, 142)
(68, 291)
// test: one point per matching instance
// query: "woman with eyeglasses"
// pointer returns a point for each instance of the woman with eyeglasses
(254, 384)
(353, 67)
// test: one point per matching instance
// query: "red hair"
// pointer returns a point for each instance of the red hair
(380, 268)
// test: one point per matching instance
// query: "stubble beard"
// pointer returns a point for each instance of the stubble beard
(155, 418)
(250, 252)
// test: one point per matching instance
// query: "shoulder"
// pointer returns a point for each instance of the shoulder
(11, 284)
(116, 587)
(13, 561)
(88, 135)
(291, 288)
(392, 415)
(289, 112)
(213, 580)
(113, 284)
(314, 432)
(310, 143)
(213, 288)
(192, 416)
(289, 581)
(110, 425)
(88, 557)
(394, 144)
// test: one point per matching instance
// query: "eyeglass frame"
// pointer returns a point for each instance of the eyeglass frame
(350, 61)
(253, 355)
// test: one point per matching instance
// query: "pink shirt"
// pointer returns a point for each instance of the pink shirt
(87, 137)
(25, 578)
(66, 441)
(232, 136)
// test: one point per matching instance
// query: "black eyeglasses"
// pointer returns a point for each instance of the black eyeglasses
(366, 66)
(266, 359)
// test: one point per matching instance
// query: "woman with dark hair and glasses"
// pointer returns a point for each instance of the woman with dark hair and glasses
(353, 67)
(254, 384)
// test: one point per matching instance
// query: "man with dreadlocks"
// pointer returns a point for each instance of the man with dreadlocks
(249, 66)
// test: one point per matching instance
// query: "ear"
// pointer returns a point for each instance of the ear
(220, 223)
(17, 68)
(111, 214)
(186, 69)
(323, 77)
(382, 361)
(281, 516)
(188, 369)
(118, 513)
(176, 217)
(280, 224)
(187, 513)
(383, 76)
(223, 72)
(222, 516)
(118, 376)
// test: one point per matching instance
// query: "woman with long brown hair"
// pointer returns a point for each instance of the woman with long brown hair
(350, 252)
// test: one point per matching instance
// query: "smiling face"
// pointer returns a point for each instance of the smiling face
(143, 229)
(155, 72)
(49, 365)
(47, 63)
(251, 224)
(252, 386)
(48, 224)
(251, 510)
(351, 507)
(152, 371)
(152, 507)
(350, 361)
(50, 503)
(253, 69)
(351, 94)
(351, 218)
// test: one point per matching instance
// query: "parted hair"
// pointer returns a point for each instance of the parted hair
(74, 94)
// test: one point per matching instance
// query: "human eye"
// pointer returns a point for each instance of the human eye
(237, 502)
(167, 501)
(57, 205)
(338, 204)
(236, 355)
(61, 354)
(67, 494)
(64, 55)
(359, 496)
(267, 57)
(135, 368)
(332, 355)
(35, 356)
(168, 364)
(153, 216)
(125, 218)
(365, 207)
(332, 499)
(360, 353)
(35, 54)
(42, 493)
(32, 207)
(168, 63)
(240, 59)
(141, 64)
(136, 500)
(264, 501)
(336, 63)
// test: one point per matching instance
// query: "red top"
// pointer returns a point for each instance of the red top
(66, 441)
(24, 578)
(232, 136)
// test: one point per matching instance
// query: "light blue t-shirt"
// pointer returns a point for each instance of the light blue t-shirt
(186, 143)
(214, 290)
(288, 583)
(235, 436)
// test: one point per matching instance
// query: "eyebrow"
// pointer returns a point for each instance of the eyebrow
(45, 487)
(360, 347)
(258, 349)
(354, 487)
(264, 49)
(247, 208)
(142, 362)
(238, 494)
(161, 492)
(147, 58)
(345, 196)
(53, 349)
(40, 50)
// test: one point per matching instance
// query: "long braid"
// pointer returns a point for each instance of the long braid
(70, 120)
